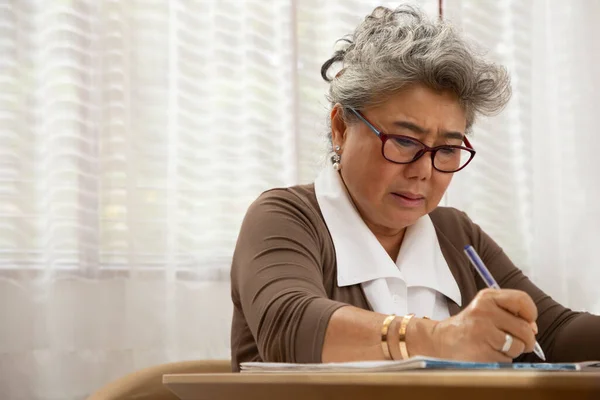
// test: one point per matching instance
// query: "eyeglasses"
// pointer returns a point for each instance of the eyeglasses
(401, 149)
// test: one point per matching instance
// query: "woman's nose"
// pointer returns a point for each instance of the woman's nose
(421, 168)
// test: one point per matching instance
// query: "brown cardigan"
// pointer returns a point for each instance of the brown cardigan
(283, 283)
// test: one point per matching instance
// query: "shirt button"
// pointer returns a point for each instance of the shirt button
(396, 298)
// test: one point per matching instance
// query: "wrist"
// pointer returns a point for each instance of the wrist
(419, 337)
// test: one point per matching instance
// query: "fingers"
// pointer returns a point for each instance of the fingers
(516, 348)
(534, 327)
(515, 302)
(515, 326)
(479, 332)
(511, 312)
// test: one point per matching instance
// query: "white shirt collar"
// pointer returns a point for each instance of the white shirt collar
(361, 258)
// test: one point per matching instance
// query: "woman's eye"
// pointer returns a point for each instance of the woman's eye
(448, 150)
(405, 142)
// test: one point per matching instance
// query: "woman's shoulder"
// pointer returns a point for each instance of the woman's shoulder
(290, 193)
(448, 214)
(286, 207)
(294, 199)
(453, 223)
(284, 218)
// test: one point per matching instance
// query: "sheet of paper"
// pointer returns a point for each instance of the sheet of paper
(411, 364)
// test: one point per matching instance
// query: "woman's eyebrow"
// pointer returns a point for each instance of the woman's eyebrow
(420, 130)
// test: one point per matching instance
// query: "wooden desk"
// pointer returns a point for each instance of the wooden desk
(430, 385)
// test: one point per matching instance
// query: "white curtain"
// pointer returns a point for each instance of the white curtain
(534, 183)
(134, 134)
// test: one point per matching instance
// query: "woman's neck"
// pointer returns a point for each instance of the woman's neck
(391, 242)
(390, 239)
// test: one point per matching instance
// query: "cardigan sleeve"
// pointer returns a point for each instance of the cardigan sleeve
(277, 280)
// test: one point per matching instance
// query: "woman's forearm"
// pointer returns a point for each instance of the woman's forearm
(576, 338)
(354, 334)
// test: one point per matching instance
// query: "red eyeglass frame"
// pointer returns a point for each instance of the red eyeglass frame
(426, 149)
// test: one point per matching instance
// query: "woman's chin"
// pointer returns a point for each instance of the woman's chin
(402, 214)
(404, 218)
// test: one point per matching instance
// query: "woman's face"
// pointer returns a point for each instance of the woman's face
(391, 196)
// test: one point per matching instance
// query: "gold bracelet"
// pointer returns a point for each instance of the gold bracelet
(384, 336)
(402, 335)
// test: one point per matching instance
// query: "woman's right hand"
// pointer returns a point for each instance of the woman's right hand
(478, 333)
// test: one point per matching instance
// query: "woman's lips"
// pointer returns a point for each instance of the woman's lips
(407, 199)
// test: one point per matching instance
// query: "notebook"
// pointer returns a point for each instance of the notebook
(414, 363)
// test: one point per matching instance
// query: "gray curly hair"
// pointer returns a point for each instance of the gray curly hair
(394, 48)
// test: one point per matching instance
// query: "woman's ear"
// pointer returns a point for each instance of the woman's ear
(338, 126)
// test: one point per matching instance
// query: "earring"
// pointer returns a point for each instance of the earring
(336, 158)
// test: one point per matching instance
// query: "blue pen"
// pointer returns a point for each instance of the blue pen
(491, 283)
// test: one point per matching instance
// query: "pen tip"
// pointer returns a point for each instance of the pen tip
(539, 352)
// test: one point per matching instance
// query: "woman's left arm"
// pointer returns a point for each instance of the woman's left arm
(565, 335)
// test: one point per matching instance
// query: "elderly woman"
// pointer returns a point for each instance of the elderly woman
(363, 264)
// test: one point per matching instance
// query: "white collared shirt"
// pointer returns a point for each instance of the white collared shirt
(420, 279)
